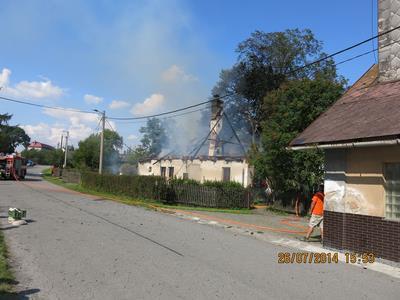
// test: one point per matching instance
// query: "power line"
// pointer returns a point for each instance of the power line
(45, 106)
(211, 100)
(172, 111)
(112, 128)
(343, 50)
(165, 118)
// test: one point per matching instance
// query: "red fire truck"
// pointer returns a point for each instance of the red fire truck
(12, 166)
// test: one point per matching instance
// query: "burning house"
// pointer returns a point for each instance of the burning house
(215, 165)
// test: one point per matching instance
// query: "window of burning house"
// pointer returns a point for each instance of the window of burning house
(392, 190)
(163, 171)
(226, 174)
(170, 172)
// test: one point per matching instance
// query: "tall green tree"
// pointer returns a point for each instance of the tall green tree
(46, 157)
(265, 61)
(11, 136)
(154, 137)
(288, 111)
(88, 152)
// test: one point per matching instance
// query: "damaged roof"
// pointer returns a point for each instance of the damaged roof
(200, 157)
(369, 110)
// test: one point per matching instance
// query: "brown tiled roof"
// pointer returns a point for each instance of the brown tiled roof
(369, 110)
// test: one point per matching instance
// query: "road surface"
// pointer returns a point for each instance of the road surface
(82, 247)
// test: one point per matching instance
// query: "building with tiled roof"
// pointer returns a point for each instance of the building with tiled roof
(360, 135)
(35, 145)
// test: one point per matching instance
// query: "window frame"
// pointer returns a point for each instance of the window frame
(384, 172)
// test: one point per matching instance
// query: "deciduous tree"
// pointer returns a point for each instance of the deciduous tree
(11, 136)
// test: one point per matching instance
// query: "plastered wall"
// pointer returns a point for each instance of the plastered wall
(354, 180)
(200, 170)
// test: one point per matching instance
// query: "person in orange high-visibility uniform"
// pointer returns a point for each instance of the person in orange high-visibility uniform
(317, 213)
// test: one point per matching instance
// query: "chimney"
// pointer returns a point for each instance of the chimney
(215, 147)
(389, 49)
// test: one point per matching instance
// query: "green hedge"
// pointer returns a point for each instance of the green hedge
(144, 187)
(177, 191)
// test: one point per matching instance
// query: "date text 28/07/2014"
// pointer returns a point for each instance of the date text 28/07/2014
(323, 257)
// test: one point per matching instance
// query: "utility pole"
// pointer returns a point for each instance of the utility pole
(61, 143)
(66, 150)
(103, 123)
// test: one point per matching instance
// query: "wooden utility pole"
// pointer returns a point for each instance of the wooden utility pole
(103, 122)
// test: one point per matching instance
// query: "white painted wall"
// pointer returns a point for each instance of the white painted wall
(200, 170)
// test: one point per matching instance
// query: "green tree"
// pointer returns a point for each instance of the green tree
(265, 61)
(288, 111)
(46, 157)
(136, 154)
(154, 138)
(11, 136)
(88, 152)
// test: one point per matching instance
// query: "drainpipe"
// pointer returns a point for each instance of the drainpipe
(347, 145)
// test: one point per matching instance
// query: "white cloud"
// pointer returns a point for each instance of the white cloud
(4, 77)
(91, 99)
(29, 89)
(132, 137)
(117, 104)
(51, 134)
(177, 74)
(72, 116)
(149, 105)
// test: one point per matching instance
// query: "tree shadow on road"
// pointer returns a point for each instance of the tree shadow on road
(22, 295)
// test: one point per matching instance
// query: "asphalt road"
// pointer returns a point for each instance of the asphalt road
(81, 247)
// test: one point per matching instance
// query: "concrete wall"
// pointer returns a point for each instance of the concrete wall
(354, 180)
(200, 170)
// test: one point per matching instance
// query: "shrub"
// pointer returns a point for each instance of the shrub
(182, 191)
(144, 187)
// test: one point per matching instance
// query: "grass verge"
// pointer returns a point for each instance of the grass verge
(137, 202)
(7, 280)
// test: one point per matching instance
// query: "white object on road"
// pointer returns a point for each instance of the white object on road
(19, 222)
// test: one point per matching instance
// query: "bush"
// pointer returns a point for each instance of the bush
(181, 191)
(223, 185)
(144, 187)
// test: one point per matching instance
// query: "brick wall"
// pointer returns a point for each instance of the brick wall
(361, 233)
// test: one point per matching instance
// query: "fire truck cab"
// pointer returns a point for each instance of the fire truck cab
(12, 166)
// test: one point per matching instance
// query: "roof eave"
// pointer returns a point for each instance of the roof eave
(345, 145)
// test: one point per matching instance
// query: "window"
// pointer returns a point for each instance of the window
(226, 174)
(170, 172)
(392, 190)
(185, 175)
(163, 171)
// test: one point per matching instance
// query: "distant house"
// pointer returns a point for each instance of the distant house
(360, 135)
(218, 165)
(35, 145)
(201, 168)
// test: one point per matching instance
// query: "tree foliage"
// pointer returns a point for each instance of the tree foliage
(45, 157)
(265, 61)
(288, 111)
(88, 152)
(11, 136)
(154, 138)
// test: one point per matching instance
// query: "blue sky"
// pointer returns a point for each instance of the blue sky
(140, 57)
